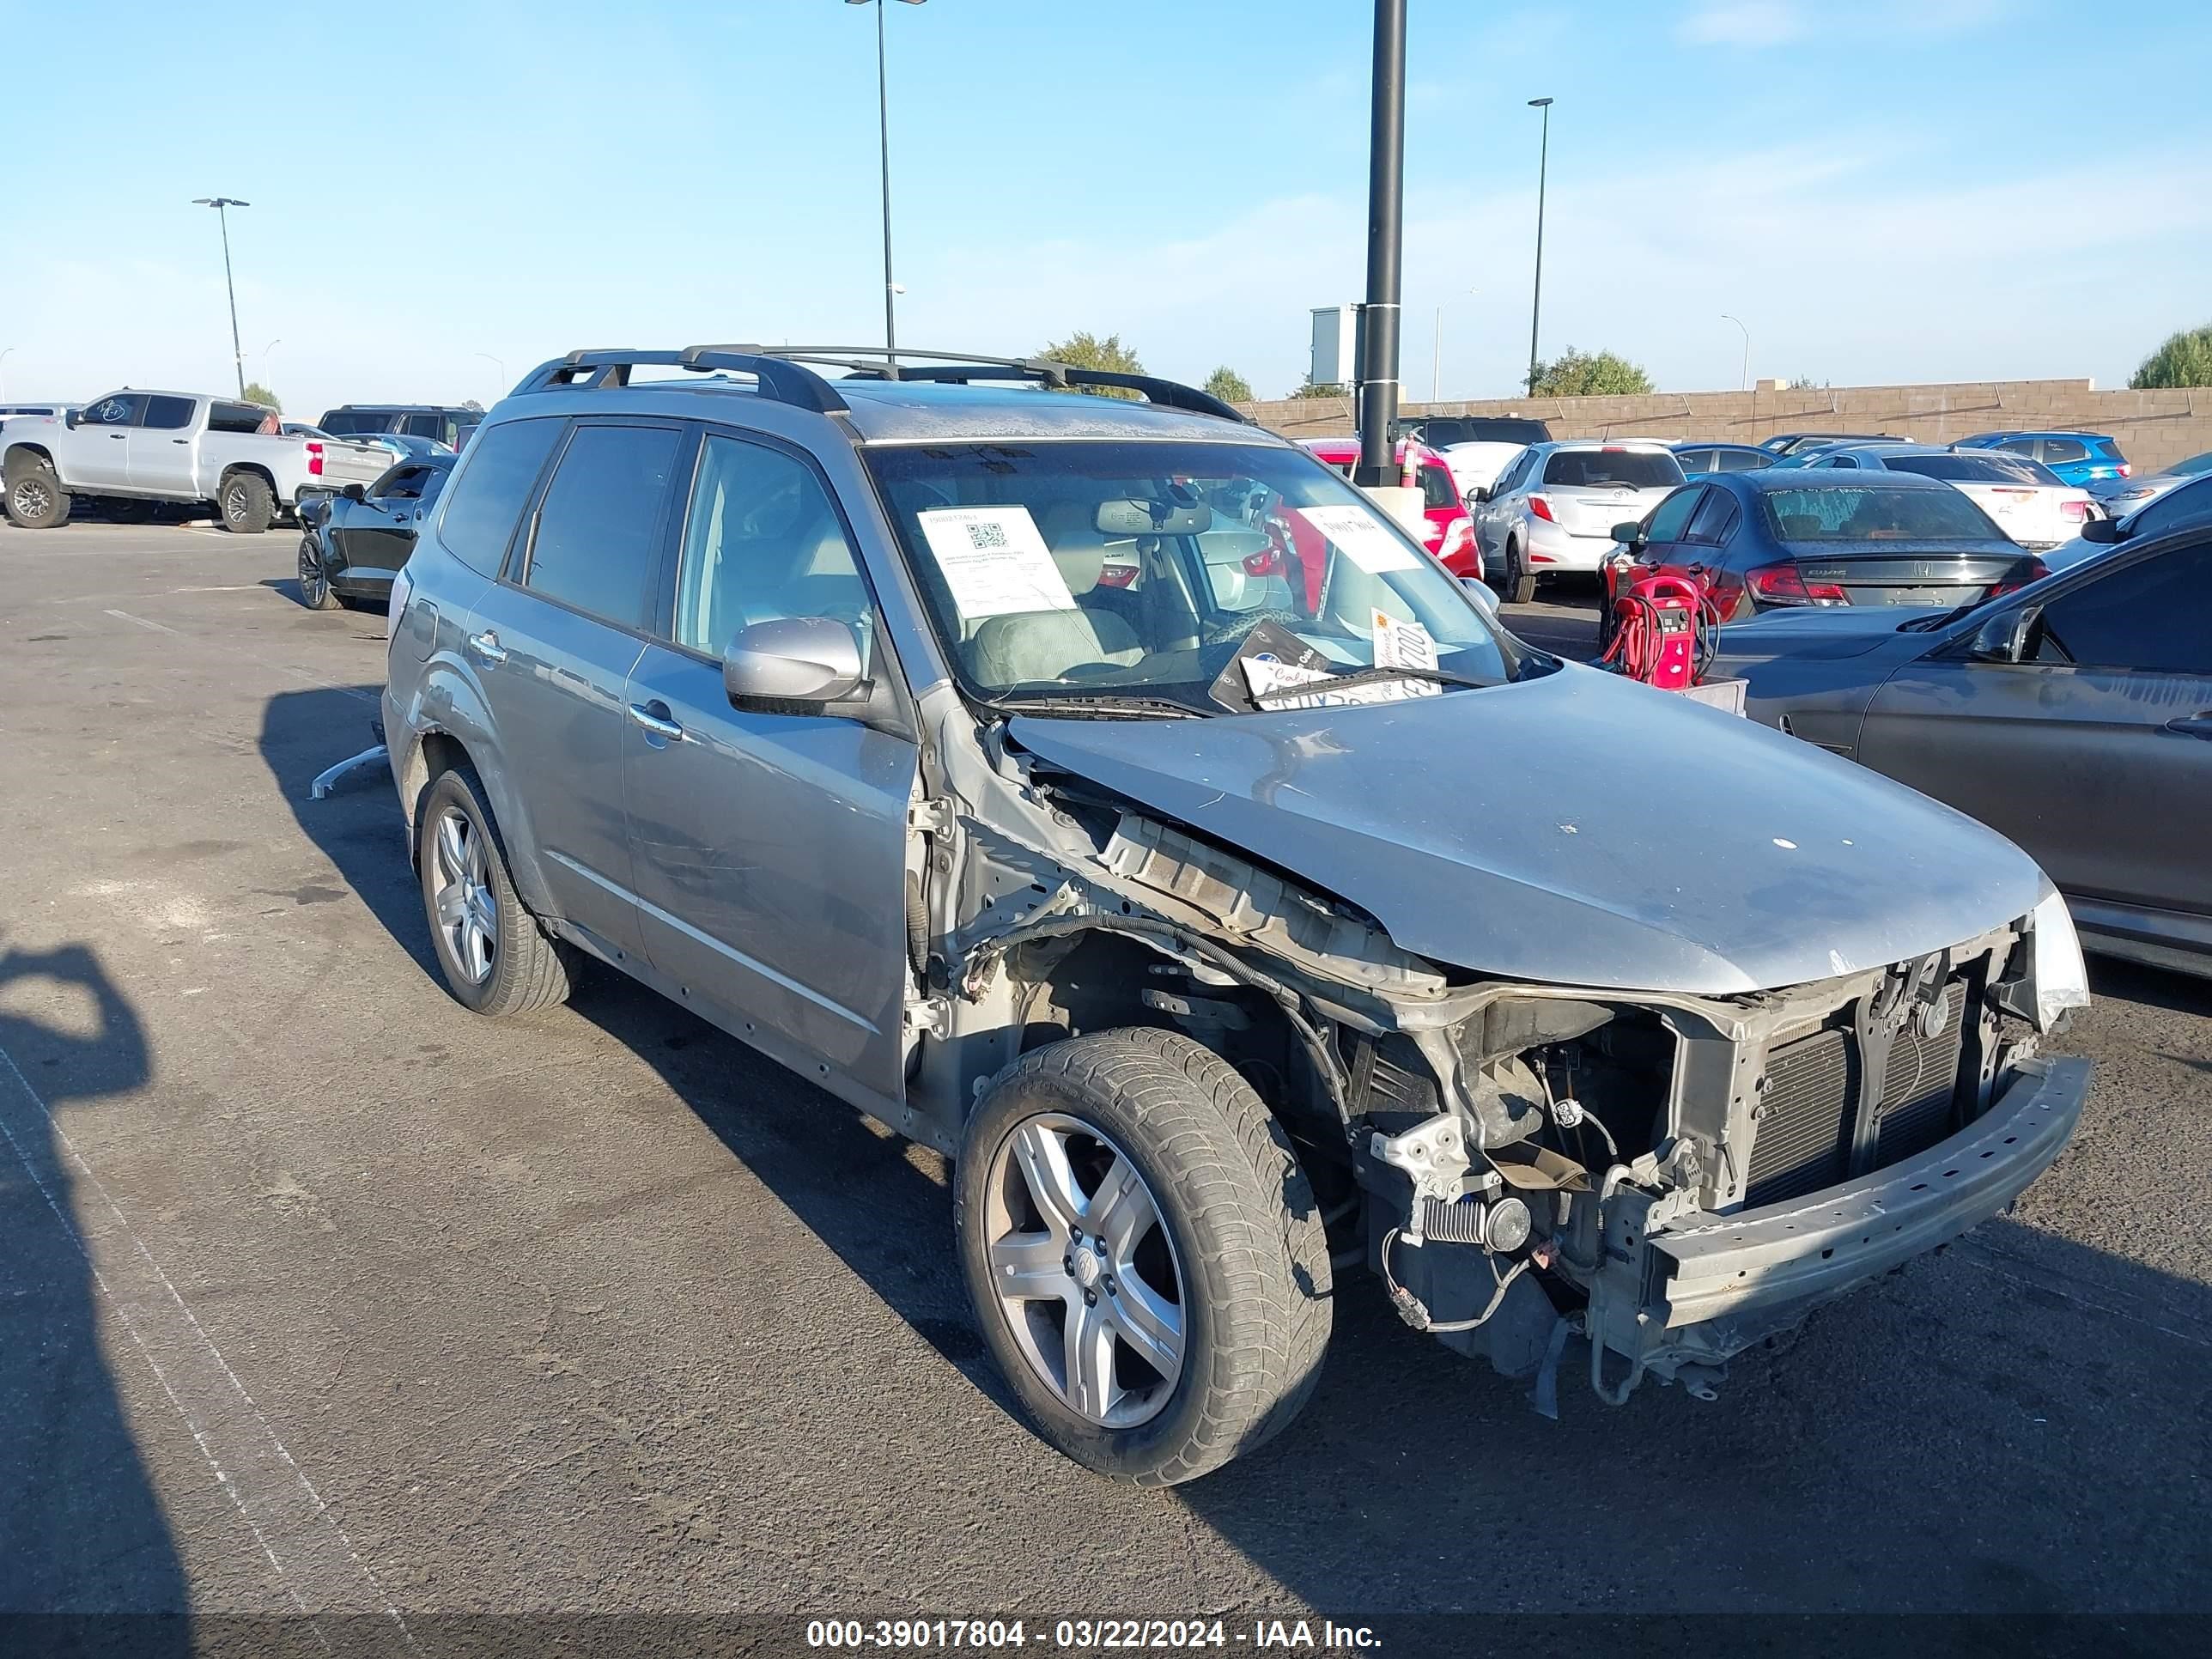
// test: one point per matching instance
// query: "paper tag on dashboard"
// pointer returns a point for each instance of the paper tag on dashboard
(1283, 685)
(1362, 537)
(1401, 644)
(995, 560)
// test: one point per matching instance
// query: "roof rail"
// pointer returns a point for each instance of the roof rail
(784, 381)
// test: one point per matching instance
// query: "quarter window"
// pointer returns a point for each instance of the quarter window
(503, 468)
(760, 542)
(599, 524)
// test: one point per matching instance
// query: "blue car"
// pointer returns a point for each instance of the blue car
(2078, 458)
(1700, 460)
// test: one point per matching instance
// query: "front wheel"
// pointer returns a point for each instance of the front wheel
(314, 581)
(36, 499)
(1145, 1255)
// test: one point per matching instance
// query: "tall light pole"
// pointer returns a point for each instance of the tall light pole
(1745, 384)
(884, 136)
(501, 367)
(268, 369)
(1436, 354)
(222, 204)
(1386, 176)
(1536, 304)
(4, 358)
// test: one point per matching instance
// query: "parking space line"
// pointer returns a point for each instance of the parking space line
(270, 1492)
(159, 628)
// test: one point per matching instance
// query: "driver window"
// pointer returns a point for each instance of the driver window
(124, 409)
(760, 542)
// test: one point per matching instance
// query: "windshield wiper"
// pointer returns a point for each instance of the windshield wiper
(1363, 677)
(1108, 704)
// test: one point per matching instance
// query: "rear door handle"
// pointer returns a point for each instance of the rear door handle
(2198, 724)
(486, 644)
(653, 717)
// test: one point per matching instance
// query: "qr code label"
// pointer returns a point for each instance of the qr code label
(984, 535)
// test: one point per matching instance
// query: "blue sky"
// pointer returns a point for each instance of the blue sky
(1887, 190)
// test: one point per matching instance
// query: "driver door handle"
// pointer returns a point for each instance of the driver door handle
(486, 644)
(653, 717)
(2198, 724)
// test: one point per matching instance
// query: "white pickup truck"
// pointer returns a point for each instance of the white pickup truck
(171, 447)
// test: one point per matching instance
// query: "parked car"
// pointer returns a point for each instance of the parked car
(2077, 458)
(2121, 496)
(1450, 536)
(797, 701)
(1700, 458)
(2191, 503)
(353, 544)
(170, 447)
(2062, 717)
(2024, 498)
(1476, 447)
(52, 411)
(449, 424)
(1552, 510)
(1789, 536)
(1788, 443)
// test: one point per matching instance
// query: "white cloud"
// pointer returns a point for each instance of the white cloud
(1745, 23)
(1754, 24)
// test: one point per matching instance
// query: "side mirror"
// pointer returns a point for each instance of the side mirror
(1482, 593)
(2103, 531)
(795, 661)
(2005, 636)
(1480, 495)
(1629, 535)
(354, 492)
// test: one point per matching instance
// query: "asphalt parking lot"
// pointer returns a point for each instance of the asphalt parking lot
(318, 1292)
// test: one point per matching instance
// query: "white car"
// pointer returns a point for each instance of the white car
(1553, 510)
(2025, 498)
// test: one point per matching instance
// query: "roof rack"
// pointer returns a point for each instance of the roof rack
(783, 373)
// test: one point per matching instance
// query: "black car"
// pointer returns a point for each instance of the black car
(352, 543)
(1790, 443)
(1787, 536)
(2074, 717)
(1437, 430)
(448, 424)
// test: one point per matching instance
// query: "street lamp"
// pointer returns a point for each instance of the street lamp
(268, 371)
(1536, 305)
(891, 290)
(222, 204)
(1745, 384)
(1436, 353)
(501, 367)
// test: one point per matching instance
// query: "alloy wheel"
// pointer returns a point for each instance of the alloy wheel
(32, 500)
(1086, 1274)
(313, 583)
(468, 914)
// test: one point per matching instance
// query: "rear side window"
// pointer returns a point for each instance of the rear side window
(1715, 517)
(432, 427)
(345, 422)
(1637, 469)
(1739, 460)
(1436, 489)
(2155, 615)
(168, 414)
(502, 469)
(599, 523)
(762, 542)
(1975, 468)
(236, 418)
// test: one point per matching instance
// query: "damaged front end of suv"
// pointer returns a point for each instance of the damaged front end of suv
(1534, 1110)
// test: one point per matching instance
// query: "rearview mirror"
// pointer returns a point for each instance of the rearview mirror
(1481, 593)
(805, 661)
(2101, 530)
(1630, 535)
(1129, 517)
(2005, 636)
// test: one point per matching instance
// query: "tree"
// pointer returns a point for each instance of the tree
(473, 406)
(1807, 383)
(258, 393)
(1226, 384)
(1313, 388)
(1575, 373)
(2185, 359)
(1083, 349)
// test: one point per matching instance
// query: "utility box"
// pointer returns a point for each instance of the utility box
(1335, 345)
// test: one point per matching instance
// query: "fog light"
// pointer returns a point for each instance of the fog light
(1505, 1224)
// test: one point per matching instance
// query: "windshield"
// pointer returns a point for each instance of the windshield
(1636, 469)
(1140, 571)
(1996, 469)
(1875, 511)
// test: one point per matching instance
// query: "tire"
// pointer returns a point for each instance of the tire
(1231, 1225)
(35, 499)
(314, 584)
(245, 504)
(1520, 581)
(519, 970)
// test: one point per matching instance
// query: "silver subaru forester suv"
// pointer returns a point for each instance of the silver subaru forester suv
(1106, 793)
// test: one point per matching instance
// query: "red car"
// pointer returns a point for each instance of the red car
(1451, 531)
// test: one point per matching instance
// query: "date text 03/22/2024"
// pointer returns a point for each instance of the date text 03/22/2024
(1088, 1635)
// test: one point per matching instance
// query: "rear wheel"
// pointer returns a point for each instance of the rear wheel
(1520, 581)
(1146, 1256)
(314, 581)
(495, 958)
(247, 504)
(36, 499)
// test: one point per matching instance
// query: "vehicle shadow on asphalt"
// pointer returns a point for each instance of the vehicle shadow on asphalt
(83, 1534)
(2012, 1425)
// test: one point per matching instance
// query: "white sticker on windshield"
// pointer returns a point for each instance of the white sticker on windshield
(1361, 538)
(994, 561)
(1401, 644)
(1282, 686)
